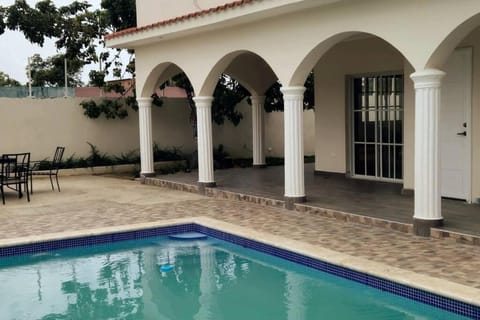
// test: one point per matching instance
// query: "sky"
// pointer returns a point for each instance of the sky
(15, 49)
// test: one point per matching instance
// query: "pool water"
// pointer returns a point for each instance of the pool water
(208, 279)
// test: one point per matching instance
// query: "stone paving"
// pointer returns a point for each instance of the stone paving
(92, 202)
(378, 200)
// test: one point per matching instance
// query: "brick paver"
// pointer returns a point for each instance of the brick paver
(93, 202)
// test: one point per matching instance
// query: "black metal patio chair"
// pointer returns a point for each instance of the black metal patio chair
(48, 168)
(15, 173)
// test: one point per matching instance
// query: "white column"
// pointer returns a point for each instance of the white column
(258, 131)
(294, 166)
(146, 143)
(427, 211)
(204, 141)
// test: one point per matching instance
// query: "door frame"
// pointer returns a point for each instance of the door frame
(468, 53)
(350, 123)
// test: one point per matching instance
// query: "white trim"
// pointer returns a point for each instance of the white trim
(468, 51)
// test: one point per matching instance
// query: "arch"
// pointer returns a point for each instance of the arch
(158, 76)
(233, 64)
(301, 72)
(441, 53)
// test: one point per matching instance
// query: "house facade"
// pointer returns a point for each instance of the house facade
(397, 85)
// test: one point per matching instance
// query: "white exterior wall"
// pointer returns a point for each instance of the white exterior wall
(292, 35)
(37, 119)
(372, 56)
(39, 125)
(310, 34)
(354, 57)
(150, 11)
(238, 139)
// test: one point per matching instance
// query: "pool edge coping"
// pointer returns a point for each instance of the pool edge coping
(441, 287)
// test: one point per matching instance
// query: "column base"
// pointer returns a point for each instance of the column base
(203, 185)
(422, 227)
(259, 166)
(144, 175)
(290, 201)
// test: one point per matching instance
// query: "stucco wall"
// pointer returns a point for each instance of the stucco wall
(39, 125)
(355, 57)
(238, 139)
(150, 11)
(370, 56)
(309, 34)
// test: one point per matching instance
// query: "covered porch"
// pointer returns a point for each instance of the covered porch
(337, 196)
(391, 104)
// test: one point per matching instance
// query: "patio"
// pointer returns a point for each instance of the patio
(91, 202)
(335, 192)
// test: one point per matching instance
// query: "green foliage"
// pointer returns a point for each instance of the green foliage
(97, 158)
(156, 100)
(2, 20)
(50, 72)
(110, 108)
(129, 157)
(274, 161)
(167, 154)
(35, 23)
(119, 14)
(73, 162)
(174, 168)
(74, 26)
(274, 97)
(78, 30)
(227, 95)
(221, 158)
(6, 81)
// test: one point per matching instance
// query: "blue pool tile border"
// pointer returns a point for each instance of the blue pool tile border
(94, 239)
(420, 295)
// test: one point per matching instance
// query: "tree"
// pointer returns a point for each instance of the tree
(79, 30)
(50, 72)
(6, 81)
(274, 97)
(119, 14)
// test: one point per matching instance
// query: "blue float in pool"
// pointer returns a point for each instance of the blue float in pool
(188, 236)
(166, 267)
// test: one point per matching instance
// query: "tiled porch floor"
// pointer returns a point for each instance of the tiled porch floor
(369, 198)
(93, 202)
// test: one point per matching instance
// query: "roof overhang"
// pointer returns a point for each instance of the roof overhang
(195, 23)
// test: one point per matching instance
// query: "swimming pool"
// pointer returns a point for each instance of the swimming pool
(210, 279)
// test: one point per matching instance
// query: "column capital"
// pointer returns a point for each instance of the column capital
(203, 101)
(144, 102)
(292, 91)
(427, 78)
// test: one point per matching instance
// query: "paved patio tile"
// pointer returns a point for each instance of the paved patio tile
(374, 199)
(93, 202)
